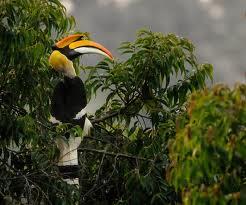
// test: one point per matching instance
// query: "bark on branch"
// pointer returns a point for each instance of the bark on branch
(114, 154)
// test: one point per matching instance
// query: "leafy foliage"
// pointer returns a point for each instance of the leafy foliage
(125, 160)
(208, 153)
(26, 31)
(143, 99)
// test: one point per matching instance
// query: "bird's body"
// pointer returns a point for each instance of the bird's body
(68, 103)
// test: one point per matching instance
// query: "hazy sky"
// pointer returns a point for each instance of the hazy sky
(216, 27)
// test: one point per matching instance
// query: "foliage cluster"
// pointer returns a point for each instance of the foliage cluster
(145, 93)
(126, 160)
(208, 153)
(29, 172)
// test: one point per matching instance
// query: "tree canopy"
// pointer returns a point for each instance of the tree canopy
(139, 143)
(146, 93)
(208, 153)
(27, 32)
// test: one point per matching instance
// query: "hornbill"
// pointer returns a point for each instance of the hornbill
(68, 103)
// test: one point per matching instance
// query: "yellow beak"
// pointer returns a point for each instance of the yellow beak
(86, 47)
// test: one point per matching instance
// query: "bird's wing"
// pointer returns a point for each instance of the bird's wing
(75, 98)
(58, 102)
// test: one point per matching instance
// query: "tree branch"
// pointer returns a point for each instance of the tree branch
(110, 115)
(113, 114)
(115, 154)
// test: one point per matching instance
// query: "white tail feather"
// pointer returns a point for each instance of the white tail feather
(68, 150)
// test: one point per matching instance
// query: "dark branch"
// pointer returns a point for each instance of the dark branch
(113, 114)
(115, 154)
(110, 115)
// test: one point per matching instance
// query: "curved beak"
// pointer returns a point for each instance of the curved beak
(86, 47)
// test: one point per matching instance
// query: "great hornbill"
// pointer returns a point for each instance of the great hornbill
(68, 103)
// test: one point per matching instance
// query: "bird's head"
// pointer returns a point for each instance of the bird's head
(69, 48)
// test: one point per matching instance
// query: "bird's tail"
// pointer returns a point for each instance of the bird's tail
(68, 151)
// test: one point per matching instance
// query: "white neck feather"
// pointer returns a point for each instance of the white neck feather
(69, 71)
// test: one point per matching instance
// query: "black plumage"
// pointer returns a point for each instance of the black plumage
(69, 98)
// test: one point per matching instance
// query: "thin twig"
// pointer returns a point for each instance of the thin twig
(113, 114)
(114, 154)
(100, 166)
(110, 115)
(97, 178)
(107, 181)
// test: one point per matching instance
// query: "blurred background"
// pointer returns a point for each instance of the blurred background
(216, 27)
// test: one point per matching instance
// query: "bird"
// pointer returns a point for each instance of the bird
(68, 102)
